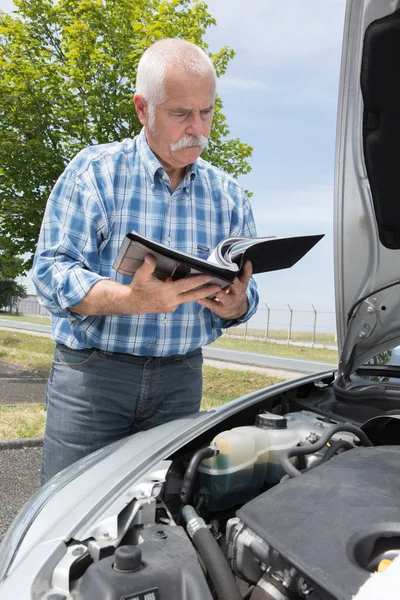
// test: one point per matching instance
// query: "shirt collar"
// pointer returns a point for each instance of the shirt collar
(152, 163)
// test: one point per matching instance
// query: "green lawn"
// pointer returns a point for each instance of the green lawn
(24, 349)
(39, 320)
(321, 354)
(220, 385)
(22, 421)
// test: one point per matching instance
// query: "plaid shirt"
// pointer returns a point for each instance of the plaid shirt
(106, 191)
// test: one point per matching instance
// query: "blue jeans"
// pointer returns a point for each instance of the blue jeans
(94, 398)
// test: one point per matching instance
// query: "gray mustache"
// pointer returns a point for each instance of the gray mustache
(188, 141)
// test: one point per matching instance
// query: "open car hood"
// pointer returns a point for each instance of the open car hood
(367, 184)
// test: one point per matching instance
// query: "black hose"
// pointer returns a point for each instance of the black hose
(214, 560)
(331, 451)
(191, 471)
(305, 450)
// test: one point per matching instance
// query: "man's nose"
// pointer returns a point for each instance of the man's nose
(195, 127)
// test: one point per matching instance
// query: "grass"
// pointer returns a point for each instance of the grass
(29, 350)
(273, 334)
(22, 421)
(282, 334)
(219, 386)
(38, 320)
(222, 385)
(321, 354)
(28, 420)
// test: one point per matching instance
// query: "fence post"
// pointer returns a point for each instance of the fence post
(267, 323)
(246, 325)
(290, 323)
(314, 325)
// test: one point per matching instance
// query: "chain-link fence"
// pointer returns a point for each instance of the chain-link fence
(290, 325)
(284, 325)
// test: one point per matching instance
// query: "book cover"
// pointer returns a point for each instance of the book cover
(266, 254)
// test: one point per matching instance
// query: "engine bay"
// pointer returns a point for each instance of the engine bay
(281, 501)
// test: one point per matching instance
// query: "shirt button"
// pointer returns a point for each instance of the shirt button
(163, 178)
(152, 186)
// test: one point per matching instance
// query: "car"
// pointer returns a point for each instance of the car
(290, 492)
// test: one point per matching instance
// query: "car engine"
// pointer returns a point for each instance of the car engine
(197, 532)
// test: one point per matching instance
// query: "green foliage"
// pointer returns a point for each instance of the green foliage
(67, 77)
(383, 358)
(10, 265)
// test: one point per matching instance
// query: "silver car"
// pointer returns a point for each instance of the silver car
(291, 492)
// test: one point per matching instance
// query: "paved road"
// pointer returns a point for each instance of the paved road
(20, 466)
(20, 384)
(234, 356)
(20, 478)
(267, 360)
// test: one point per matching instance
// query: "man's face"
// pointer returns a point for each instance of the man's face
(187, 111)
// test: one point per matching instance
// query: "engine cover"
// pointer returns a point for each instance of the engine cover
(167, 569)
(331, 521)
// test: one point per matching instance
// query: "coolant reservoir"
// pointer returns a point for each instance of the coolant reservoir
(261, 442)
(229, 475)
(280, 439)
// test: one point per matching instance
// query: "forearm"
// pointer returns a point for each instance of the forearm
(107, 298)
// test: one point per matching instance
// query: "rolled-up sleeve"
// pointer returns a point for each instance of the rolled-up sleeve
(243, 225)
(66, 263)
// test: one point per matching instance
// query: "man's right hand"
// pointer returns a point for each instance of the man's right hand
(144, 295)
(150, 295)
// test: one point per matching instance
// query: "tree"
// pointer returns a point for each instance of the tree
(10, 290)
(67, 78)
(10, 265)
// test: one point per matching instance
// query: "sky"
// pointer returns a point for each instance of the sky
(280, 96)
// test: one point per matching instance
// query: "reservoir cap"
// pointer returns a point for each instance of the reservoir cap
(270, 421)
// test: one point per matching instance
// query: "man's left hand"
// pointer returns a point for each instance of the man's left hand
(231, 303)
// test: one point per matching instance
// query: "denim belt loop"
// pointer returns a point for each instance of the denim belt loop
(104, 353)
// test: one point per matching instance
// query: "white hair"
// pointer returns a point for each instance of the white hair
(152, 67)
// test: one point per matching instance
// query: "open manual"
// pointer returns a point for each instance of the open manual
(224, 263)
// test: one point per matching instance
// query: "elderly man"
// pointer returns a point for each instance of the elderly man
(128, 354)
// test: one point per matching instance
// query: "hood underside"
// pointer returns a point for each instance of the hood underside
(367, 186)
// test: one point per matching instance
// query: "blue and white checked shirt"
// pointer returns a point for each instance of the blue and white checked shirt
(107, 191)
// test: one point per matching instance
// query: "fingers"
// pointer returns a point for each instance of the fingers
(190, 283)
(242, 281)
(246, 273)
(199, 294)
(146, 270)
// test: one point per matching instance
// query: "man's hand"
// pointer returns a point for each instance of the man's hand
(150, 295)
(232, 303)
(144, 295)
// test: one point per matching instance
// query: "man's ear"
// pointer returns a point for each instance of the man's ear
(141, 108)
